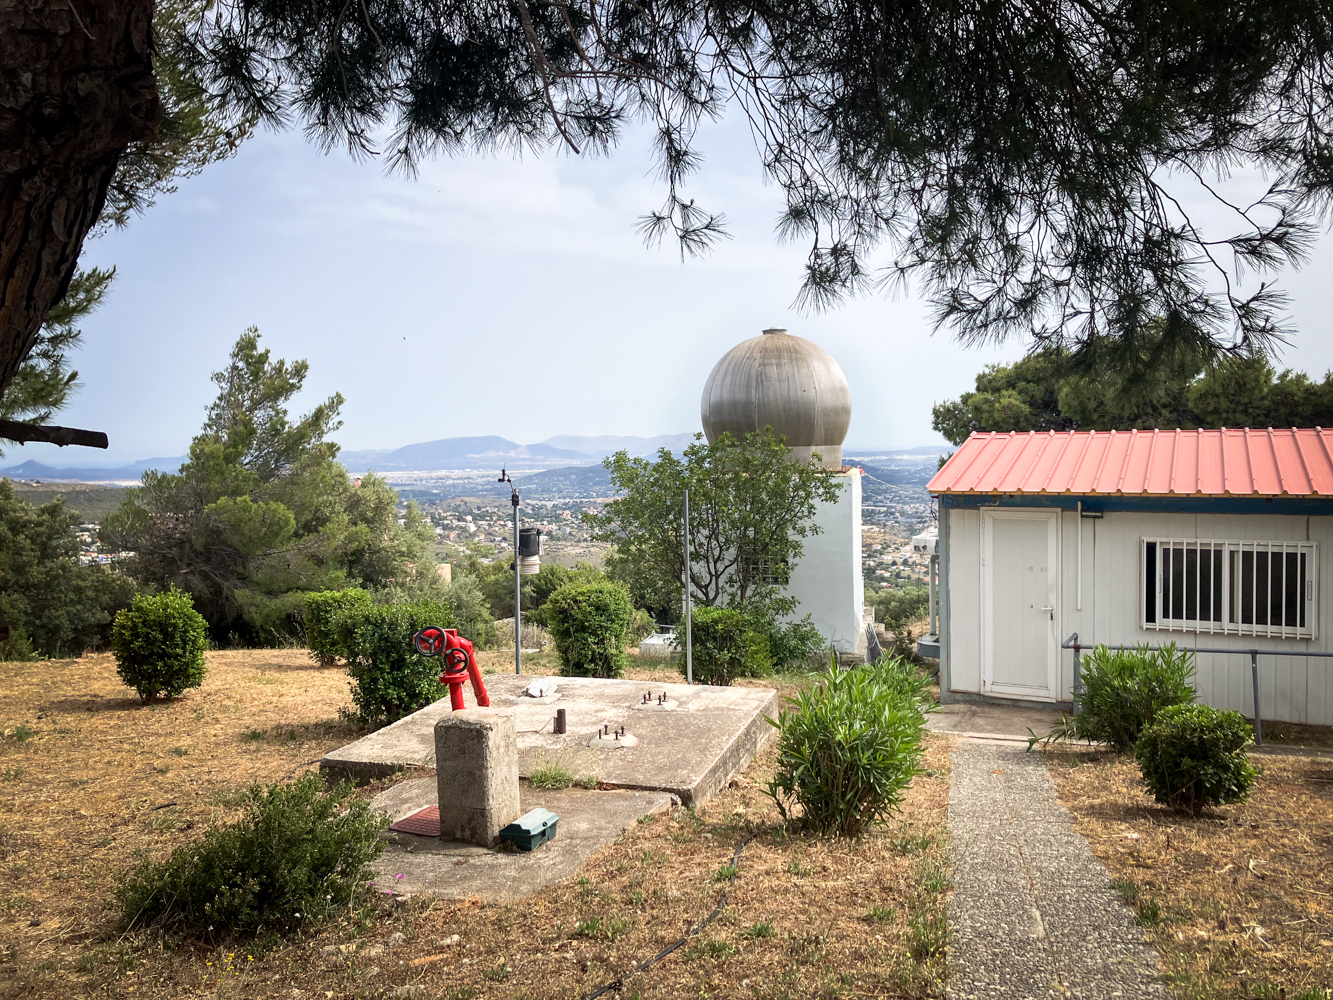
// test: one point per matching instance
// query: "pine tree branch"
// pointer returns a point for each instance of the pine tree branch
(13, 430)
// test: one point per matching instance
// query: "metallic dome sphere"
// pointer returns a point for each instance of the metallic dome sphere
(784, 382)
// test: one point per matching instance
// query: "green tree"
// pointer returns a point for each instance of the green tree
(1033, 166)
(547, 581)
(191, 132)
(750, 506)
(46, 380)
(261, 513)
(53, 605)
(1052, 390)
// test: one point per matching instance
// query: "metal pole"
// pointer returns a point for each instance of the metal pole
(1078, 667)
(1258, 716)
(518, 596)
(934, 568)
(689, 638)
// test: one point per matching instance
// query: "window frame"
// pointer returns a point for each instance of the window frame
(1227, 548)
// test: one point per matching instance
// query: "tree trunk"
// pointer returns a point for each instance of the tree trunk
(76, 88)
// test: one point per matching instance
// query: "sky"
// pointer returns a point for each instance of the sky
(495, 295)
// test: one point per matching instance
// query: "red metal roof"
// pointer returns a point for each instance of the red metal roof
(1228, 462)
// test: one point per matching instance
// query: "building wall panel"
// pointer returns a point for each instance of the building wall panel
(964, 547)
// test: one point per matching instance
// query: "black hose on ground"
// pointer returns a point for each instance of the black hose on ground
(619, 984)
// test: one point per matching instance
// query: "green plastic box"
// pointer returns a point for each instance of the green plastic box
(531, 830)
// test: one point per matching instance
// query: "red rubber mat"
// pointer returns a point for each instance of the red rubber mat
(424, 824)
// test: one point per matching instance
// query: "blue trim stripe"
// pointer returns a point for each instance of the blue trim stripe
(1303, 506)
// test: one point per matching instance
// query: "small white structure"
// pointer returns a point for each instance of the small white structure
(1209, 539)
(792, 385)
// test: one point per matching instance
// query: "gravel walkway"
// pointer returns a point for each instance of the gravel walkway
(1033, 914)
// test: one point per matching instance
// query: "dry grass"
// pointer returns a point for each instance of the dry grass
(1239, 901)
(102, 778)
(1294, 734)
(91, 777)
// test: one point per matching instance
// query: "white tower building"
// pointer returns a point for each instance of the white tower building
(794, 386)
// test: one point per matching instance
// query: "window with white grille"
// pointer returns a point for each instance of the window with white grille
(1242, 588)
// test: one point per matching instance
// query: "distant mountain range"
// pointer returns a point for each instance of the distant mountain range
(428, 456)
(564, 451)
(36, 470)
(484, 452)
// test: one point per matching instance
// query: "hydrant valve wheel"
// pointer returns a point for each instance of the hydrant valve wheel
(430, 641)
(460, 663)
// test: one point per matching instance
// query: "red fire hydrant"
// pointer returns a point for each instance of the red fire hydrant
(459, 663)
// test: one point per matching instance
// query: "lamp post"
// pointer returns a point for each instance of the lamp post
(689, 639)
(527, 561)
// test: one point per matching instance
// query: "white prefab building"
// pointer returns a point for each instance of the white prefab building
(1211, 539)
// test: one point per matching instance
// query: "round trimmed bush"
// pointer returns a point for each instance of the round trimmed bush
(159, 643)
(726, 645)
(590, 625)
(392, 679)
(1193, 756)
(323, 638)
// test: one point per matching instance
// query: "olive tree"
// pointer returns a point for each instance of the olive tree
(750, 506)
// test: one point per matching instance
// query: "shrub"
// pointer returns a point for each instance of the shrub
(641, 626)
(14, 642)
(55, 606)
(849, 746)
(726, 645)
(905, 614)
(590, 626)
(1123, 690)
(159, 643)
(297, 856)
(464, 597)
(391, 679)
(1193, 756)
(322, 636)
(471, 612)
(795, 644)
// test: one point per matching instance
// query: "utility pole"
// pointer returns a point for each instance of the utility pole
(689, 639)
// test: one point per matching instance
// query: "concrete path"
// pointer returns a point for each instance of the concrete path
(994, 721)
(1033, 914)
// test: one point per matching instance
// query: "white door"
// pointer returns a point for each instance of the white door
(1021, 574)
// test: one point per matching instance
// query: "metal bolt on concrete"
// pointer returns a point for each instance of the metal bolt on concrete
(1033, 914)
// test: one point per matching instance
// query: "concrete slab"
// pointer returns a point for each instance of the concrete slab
(689, 750)
(1007, 721)
(589, 820)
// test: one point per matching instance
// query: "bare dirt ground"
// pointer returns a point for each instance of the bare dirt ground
(92, 780)
(1239, 901)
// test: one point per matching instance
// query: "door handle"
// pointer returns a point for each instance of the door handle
(1052, 611)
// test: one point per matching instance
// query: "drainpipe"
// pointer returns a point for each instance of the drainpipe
(944, 603)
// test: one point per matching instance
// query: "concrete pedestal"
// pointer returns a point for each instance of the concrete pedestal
(476, 762)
